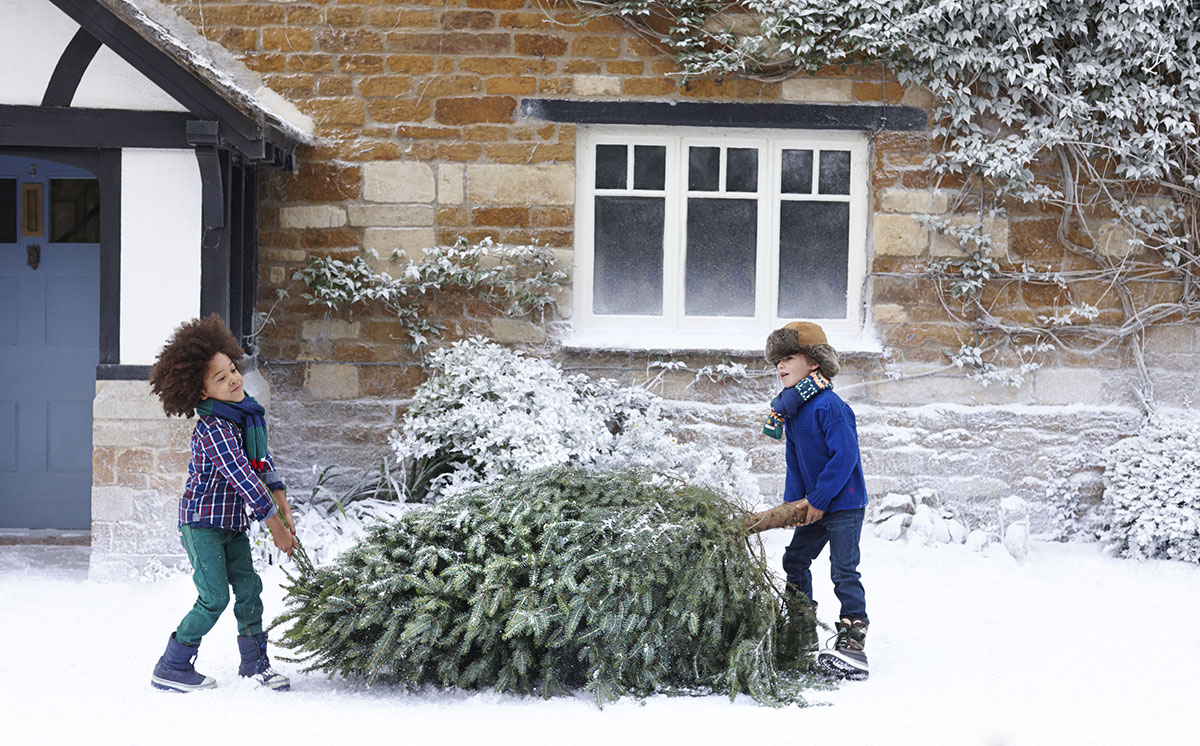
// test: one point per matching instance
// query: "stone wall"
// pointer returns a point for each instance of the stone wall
(420, 140)
(139, 467)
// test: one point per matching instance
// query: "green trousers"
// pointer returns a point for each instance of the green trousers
(220, 559)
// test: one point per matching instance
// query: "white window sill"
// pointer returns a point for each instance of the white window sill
(738, 344)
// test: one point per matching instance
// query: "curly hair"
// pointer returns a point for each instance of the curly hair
(178, 374)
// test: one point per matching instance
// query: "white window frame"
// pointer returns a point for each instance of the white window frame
(675, 330)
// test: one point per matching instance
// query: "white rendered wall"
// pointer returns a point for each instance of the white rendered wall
(33, 35)
(160, 248)
(112, 83)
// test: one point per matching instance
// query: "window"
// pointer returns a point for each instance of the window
(694, 238)
(74, 211)
(8, 210)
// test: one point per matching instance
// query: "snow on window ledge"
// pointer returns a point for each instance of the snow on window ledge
(741, 344)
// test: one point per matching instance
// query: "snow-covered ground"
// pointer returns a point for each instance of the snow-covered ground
(1070, 647)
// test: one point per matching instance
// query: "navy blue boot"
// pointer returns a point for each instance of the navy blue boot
(174, 671)
(255, 663)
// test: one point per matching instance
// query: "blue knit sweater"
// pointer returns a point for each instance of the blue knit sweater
(823, 464)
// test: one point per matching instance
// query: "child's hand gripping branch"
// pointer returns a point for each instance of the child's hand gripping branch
(283, 537)
(282, 525)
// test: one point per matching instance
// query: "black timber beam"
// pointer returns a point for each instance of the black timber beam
(242, 132)
(73, 63)
(688, 114)
(61, 127)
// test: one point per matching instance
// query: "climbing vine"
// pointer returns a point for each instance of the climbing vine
(511, 279)
(1084, 109)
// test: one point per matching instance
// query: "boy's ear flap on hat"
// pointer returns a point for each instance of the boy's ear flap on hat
(781, 343)
(825, 357)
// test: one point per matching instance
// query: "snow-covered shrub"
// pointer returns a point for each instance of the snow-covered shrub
(1152, 490)
(488, 412)
(1063, 501)
(1014, 526)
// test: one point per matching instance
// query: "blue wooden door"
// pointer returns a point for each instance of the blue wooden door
(49, 342)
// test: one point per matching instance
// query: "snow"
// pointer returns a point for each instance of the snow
(966, 648)
(224, 69)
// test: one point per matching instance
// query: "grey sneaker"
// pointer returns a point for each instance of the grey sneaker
(846, 659)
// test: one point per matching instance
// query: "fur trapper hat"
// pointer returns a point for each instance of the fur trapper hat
(804, 338)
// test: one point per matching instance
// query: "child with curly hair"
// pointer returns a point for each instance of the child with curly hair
(230, 473)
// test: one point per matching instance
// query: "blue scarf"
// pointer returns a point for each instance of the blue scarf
(247, 415)
(806, 389)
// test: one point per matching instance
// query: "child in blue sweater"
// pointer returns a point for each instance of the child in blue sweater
(824, 468)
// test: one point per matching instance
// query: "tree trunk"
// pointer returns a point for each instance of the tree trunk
(780, 516)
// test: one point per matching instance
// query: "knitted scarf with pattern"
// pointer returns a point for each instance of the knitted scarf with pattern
(247, 415)
(806, 389)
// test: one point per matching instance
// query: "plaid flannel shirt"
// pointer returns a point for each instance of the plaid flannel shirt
(221, 485)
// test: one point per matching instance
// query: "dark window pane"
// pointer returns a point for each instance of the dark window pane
(704, 169)
(74, 211)
(629, 256)
(797, 172)
(835, 172)
(649, 166)
(741, 170)
(8, 210)
(721, 256)
(610, 166)
(814, 244)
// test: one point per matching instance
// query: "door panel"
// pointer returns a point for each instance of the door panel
(8, 436)
(8, 312)
(69, 437)
(69, 299)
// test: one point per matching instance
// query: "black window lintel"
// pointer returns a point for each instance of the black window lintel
(707, 114)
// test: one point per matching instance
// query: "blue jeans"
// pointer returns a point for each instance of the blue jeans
(841, 531)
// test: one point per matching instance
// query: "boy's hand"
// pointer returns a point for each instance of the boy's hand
(285, 510)
(813, 515)
(284, 540)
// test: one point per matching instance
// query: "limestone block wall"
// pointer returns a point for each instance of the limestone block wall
(420, 140)
(973, 457)
(139, 467)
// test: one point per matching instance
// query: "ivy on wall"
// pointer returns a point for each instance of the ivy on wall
(1086, 109)
(515, 280)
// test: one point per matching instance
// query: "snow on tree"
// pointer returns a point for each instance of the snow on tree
(554, 581)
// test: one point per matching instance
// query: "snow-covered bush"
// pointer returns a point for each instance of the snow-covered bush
(1152, 490)
(1070, 516)
(1014, 526)
(488, 412)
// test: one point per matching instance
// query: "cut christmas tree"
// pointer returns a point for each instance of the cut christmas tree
(619, 583)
